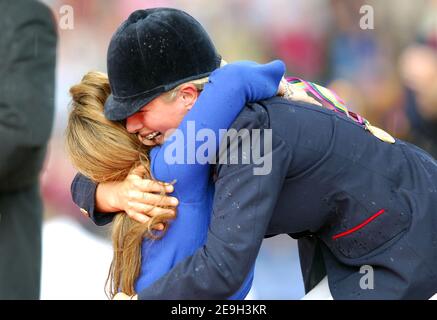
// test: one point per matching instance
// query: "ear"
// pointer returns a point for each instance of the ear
(189, 94)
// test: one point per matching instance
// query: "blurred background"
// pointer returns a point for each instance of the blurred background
(386, 71)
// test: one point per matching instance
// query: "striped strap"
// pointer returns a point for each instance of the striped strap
(328, 99)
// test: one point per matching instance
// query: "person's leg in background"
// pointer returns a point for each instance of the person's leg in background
(20, 244)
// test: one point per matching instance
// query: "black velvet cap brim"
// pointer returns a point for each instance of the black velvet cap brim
(120, 109)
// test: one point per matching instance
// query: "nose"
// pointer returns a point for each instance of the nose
(133, 124)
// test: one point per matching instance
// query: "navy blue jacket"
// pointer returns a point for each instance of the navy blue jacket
(351, 199)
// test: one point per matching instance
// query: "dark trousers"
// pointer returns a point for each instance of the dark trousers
(20, 243)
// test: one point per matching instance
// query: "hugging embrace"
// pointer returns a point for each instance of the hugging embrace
(168, 148)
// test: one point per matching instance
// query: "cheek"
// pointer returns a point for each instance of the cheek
(172, 118)
(164, 116)
(160, 121)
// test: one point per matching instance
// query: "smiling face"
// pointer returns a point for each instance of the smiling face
(160, 115)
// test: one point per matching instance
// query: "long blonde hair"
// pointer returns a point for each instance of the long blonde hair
(104, 151)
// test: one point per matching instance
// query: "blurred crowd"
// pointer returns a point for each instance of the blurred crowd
(387, 72)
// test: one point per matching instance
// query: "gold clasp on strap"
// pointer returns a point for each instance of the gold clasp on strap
(379, 133)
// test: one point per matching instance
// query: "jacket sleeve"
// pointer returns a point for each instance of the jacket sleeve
(83, 193)
(243, 205)
(27, 71)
